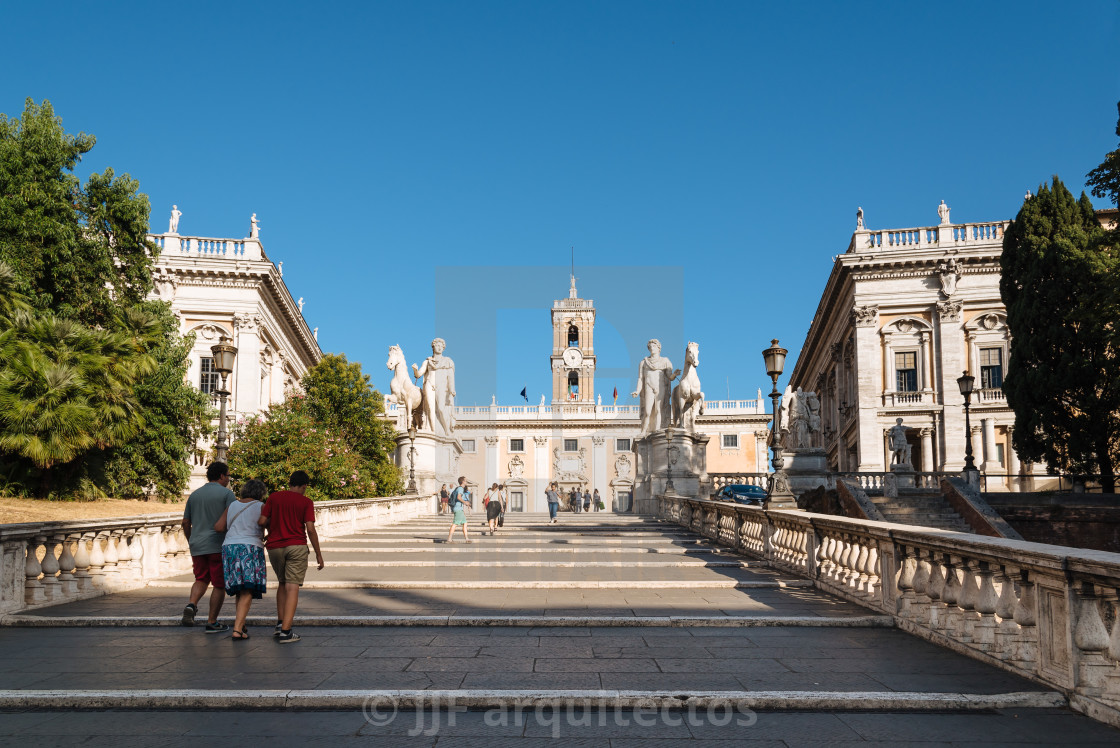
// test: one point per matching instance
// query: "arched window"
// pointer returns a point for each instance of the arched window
(573, 384)
(573, 336)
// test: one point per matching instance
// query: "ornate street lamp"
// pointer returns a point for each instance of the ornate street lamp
(670, 489)
(412, 490)
(778, 495)
(224, 354)
(967, 384)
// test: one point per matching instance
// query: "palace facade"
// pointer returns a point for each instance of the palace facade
(229, 287)
(575, 440)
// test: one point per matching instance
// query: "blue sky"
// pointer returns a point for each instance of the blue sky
(413, 161)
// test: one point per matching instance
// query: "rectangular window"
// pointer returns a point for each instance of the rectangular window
(516, 501)
(516, 445)
(730, 441)
(906, 371)
(571, 445)
(468, 445)
(999, 453)
(621, 445)
(991, 368)
(208, 378)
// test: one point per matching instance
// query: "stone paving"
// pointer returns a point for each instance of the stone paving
(811, 665)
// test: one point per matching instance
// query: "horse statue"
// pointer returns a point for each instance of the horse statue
(688, 400)
(402, 390)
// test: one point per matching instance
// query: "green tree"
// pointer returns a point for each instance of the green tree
(1063, 376)
(154, 462)
(287, 438)
(80, 253)
(1104, 180)
(339, 394)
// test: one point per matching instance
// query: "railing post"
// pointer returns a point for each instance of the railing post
(34, 593)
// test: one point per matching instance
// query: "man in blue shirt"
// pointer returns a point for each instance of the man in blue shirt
(458, 505)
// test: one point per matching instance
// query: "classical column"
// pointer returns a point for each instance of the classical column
(953, 361)
(246, 377)
(991, 459)
(867, 365)
(977, 446)
(760, 451)
(925, 385)
(541, 475)
(599, 464)
(1013, 466)
(927, 449)
(491, 460)
(887, 452)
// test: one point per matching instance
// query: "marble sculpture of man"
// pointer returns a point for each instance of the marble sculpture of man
(900, 447)
(438, 392)
(175, 214)
(655, 378)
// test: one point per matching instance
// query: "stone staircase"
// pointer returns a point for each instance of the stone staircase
(587, 620)
(922, 508)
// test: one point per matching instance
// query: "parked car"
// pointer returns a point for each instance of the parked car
(741, 494)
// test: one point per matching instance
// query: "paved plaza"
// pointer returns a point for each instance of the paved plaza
(602, 630)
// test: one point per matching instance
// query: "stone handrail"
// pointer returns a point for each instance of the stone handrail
(942, 237)
(203, 246)
(46, 563)
(718, 480)
(886, 483)
(1048, 613)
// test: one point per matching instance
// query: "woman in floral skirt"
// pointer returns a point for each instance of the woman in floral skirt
(243, 552)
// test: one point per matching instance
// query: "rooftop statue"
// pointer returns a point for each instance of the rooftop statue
(254, 228)
(859, 219)
(175, 213)
(943, 213)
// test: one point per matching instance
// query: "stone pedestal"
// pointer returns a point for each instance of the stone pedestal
(904, 474)
(665, 456)
(807, 468)
(437, 461)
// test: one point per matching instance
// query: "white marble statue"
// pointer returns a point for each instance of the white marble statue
(655, 378)
(300, 303)
(900, 448)
(688, 400)
(175, 213)
(949, 273)
(315, 334)
(943, 213)
(542, 400)
(402, 391)
(280, 268)
(254, 227)
(781, 425)
(438, 401)
(797, 428)
(859, 219)
(813, 405)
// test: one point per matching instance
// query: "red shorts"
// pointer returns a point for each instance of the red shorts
(208, 568)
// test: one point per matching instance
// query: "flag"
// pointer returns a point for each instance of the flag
(524, 394)
(616, 396)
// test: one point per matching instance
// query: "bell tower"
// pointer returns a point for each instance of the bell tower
(573, 349)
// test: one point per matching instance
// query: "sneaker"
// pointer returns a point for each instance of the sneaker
(188, 614)
(279, 628)
(216, 628)
(286, 637)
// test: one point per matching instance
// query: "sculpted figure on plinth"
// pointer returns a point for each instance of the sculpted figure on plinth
(655, 378)
(801, 418)
(900, 448)
(438, 391)
(401, 389)
(175, 214)
(688, 400)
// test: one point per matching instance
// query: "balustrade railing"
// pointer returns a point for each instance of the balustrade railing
(1045, 612)
(45, 563)
(949, 235)
(718, 480)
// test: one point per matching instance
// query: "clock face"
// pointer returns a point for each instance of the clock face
(572, 357)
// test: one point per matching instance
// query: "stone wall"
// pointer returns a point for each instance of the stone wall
(1077, 520)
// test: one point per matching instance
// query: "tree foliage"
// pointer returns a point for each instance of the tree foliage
(1063, 376)
(288, 438)
(1104, 180)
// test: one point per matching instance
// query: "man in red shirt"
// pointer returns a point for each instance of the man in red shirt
(290, 519)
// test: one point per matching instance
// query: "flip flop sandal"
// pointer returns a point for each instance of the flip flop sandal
(240, 636)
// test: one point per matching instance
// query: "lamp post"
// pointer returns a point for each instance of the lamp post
(224, 354)
(670, 489)
(412, 490)
(778, 494)
(967, 384)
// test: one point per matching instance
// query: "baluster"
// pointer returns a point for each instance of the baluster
(1091, 637)
(970, 591)
(950, 594)
(33, 590)
(66, 565)
(49, 565)
(861, 582)
(874, 579)
(933, 591)
(82, 564)
(97, 560)
(112, 557)
(138, 551)
(1005, 611)
(905, 582)
(984, 629)
(1026, 643)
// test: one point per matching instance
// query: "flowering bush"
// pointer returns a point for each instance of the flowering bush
(287, 438)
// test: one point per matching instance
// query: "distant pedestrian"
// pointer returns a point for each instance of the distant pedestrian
(204, 507)
(553, 500)
(290, 519)
(586, 500)
(494, 508)
(243, 552)
(443, 496)
(597, 500)
(573, 500)
(458, 505)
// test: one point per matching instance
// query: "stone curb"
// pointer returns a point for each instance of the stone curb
(868, 621)
(537, 584)
(385, 702)
(551, 564)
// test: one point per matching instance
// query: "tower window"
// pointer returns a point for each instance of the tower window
(991, 368)
(573, 385)
(573, 336)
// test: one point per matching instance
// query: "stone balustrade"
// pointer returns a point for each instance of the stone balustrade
(719, 480)
(1048, 613)
(887, 483)
(174, 245)
(942, 237)
(45, 563)
(581, 410)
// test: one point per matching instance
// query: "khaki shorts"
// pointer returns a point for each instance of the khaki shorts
(289, 563)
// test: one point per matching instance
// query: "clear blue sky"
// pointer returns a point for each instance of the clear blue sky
(411, 160)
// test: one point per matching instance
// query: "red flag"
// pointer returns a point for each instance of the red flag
(616, 396)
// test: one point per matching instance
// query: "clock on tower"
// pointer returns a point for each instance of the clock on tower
(573, 350)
